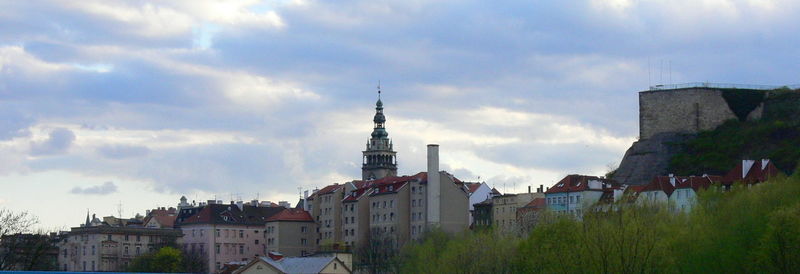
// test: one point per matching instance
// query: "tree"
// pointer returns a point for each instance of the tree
(20, 249)
(164, 260)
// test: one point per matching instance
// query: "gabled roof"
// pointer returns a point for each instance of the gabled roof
(291, 215)
(227, 214)
(472, 187)
(328, 189)
(661, 183)
(751, 172)
(537, 204)
(163, 220)
(301, 264)
(577, 183)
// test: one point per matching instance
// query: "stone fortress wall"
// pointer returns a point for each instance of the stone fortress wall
(688, 110)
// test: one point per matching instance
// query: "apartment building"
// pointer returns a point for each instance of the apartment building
(291, 232)
(110, 248)
(356, 204)
(223, 233)
(326, 208)
(504, 208)
(575, 193)
(394, 209)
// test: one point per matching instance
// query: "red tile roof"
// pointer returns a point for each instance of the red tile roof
(576, 183)
(472, 187)
(292, 215)
(751, 172)
(164, 220)
(661, 183)
(329, 189)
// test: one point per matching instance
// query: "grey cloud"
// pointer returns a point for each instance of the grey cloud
(555, 57)
(122, 151)
(59, 141)
(104, 189)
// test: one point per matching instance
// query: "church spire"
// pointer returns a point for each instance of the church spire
(379, 160)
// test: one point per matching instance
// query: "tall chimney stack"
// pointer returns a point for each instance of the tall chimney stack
(305, 200)
(434, 188)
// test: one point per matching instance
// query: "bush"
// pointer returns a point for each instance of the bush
(748, 229)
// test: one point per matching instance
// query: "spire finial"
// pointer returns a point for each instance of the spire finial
(379, 89)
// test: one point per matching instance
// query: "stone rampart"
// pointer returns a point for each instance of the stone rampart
(687, 110)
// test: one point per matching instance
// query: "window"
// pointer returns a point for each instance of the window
(218, 233)
(413, 203)
(216, 250)
(93, 248)
(201, 233)
(126, 237)
(241, 249)
(138, 250)
(384, 204)
(578, 199)
(303, 229)
(109, 237)
(256, 241)
(138, 238)
(241, 233)
(303, 241)
(126, 250)
(391, 204)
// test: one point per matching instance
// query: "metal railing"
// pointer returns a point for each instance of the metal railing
(721, 86)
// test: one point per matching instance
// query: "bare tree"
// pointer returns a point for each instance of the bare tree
(22, 248)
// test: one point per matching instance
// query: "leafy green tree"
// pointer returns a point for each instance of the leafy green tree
(164, 260)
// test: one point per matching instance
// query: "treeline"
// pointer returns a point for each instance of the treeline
(754, 230)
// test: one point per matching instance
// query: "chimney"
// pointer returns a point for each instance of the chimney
(305, 200)
(529, 189)
(434, 188)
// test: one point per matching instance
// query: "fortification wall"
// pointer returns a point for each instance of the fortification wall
(687, 110)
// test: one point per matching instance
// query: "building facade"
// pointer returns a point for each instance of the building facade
(292, 232)
(223, 233)
(504, 209)
(109, 248)
(575, 193)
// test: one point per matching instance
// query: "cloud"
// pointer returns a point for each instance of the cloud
(58, 141)
(122, 151)
(264, 96)
(104, 189)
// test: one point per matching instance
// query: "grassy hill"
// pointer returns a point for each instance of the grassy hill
(775, 136)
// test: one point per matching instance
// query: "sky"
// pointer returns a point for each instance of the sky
(116, 107)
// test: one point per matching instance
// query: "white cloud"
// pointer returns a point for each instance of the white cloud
(104, 189)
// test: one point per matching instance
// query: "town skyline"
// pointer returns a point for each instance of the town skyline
(109, 102)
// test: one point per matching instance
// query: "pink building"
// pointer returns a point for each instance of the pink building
(222, 233)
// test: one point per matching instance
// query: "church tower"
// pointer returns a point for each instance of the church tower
(379, 160)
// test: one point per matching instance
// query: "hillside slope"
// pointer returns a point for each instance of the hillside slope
(774, 134)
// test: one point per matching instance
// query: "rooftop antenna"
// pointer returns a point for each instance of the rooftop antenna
(300, 192)
(119, 209)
